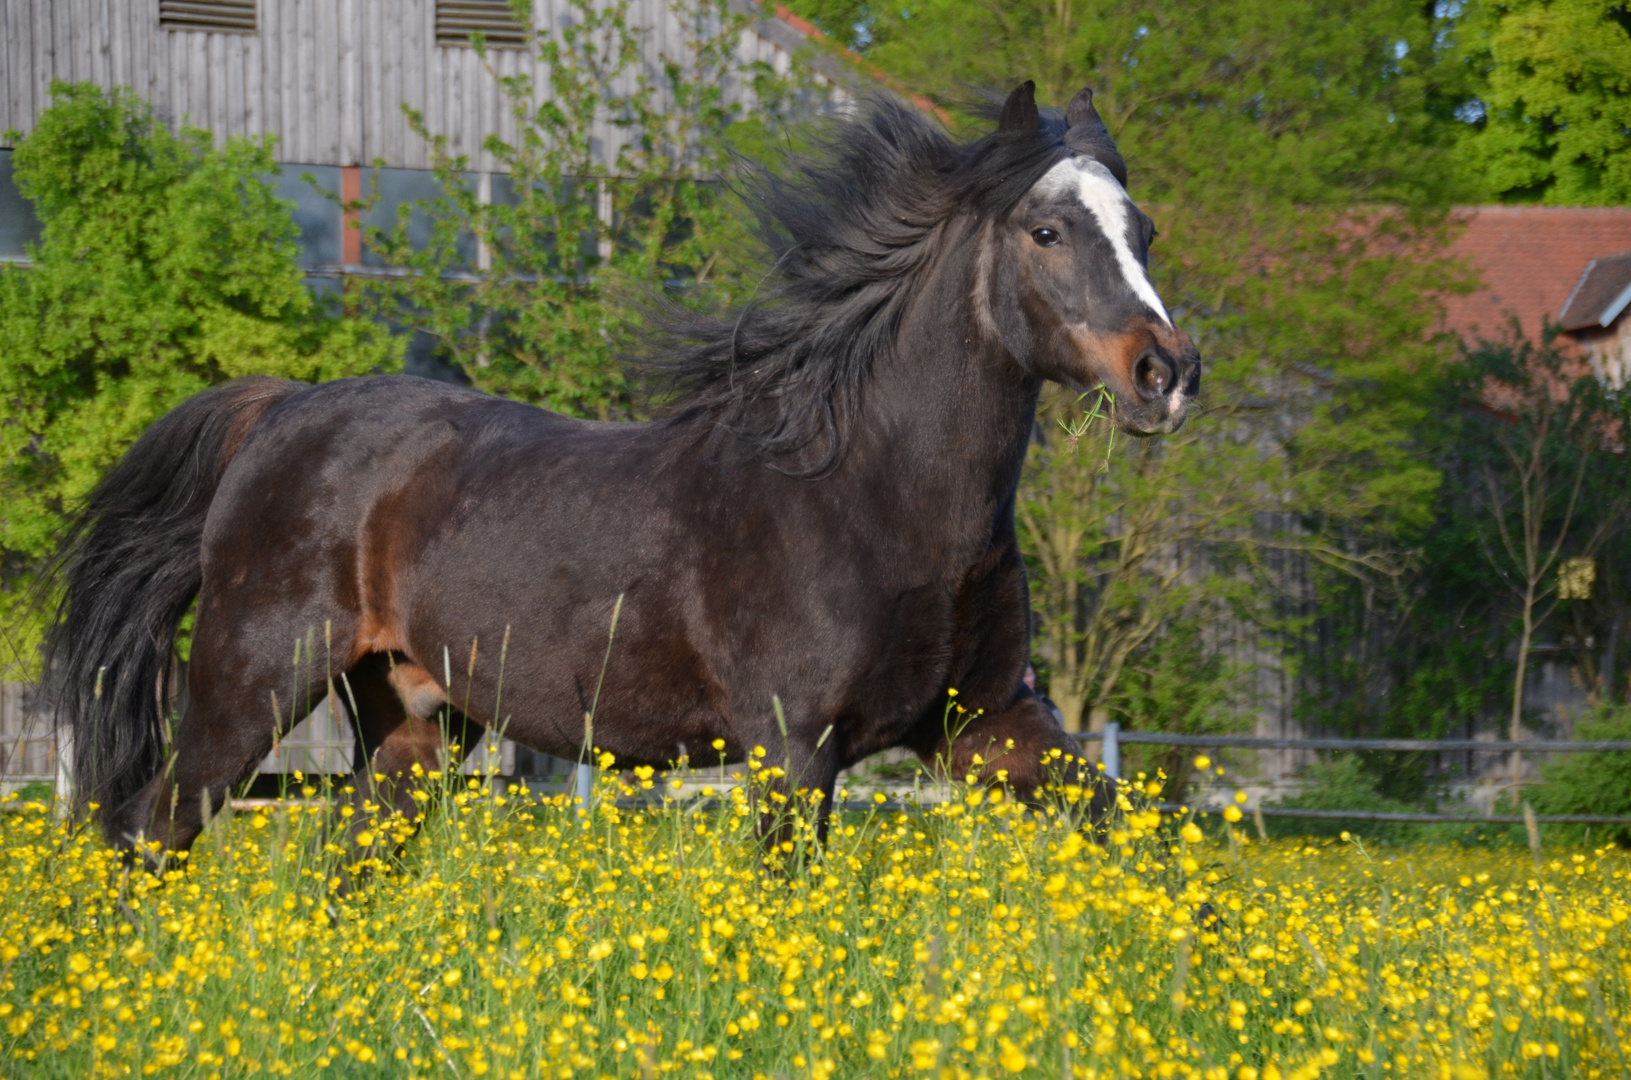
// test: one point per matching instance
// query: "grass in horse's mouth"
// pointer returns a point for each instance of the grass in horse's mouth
(517, 937)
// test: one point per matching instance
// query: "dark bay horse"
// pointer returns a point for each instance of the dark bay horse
(828, 518)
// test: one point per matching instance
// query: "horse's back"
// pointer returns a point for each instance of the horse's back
(364, 434)
(376, 410)
(343, 478)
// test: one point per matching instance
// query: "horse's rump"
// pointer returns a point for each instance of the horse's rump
(129, 569)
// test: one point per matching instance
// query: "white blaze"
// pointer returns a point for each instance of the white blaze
(1103, 195)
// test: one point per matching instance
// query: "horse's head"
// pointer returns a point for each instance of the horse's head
(1066, 285)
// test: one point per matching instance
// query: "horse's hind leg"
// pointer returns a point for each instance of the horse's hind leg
(400, 742)
(243, 693)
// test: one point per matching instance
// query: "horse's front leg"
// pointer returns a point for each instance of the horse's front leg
(1022, 748)
(792, 788)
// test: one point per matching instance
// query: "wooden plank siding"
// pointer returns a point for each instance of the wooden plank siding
(327, 78)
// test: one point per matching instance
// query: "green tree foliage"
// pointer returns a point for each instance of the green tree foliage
(1421, 654)
(1118, 533)
(847, 22)
(1553, 113)
(1539, 460)
(166, 265)
(1186, 685)
(1528, 439)
(573, 241)
(1297, 166)
(1262, 101)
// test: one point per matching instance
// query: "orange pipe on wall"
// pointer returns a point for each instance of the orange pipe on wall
(351, 230)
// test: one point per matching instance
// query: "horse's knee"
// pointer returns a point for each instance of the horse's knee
(155, 824)
(412, 742)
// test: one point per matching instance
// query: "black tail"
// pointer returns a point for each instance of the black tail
(129, 569)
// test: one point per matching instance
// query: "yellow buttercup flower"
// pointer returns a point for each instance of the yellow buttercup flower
(959, 933)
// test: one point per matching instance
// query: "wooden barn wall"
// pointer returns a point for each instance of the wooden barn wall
(328, 78)
(28, 745)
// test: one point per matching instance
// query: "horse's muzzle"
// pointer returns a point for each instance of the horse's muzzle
(1165, 380)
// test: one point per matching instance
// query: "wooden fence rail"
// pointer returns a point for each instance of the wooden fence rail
(1113, 737)
(1388, 815)
(1253, 742)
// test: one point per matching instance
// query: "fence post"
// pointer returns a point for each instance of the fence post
(1111, 756)
(585, 783)
(63, 751)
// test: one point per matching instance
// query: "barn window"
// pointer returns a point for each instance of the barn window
(218, 16)
(456, 20)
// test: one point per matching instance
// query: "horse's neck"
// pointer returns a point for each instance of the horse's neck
(944, 427)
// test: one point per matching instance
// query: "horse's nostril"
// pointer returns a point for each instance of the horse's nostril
(1152, 375)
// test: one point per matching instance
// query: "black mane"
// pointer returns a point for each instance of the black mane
(851, 235)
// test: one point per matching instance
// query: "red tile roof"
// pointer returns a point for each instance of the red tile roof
(1529, 258)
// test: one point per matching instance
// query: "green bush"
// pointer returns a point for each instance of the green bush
(167, 265)
(1341, 783)
(1590, 783)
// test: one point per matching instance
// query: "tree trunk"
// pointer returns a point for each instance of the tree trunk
(1605, 670)
(1518, 684)
(1071, 705)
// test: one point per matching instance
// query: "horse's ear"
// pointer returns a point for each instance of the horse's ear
(1019, 111)
(1080, 112)
(1085, 133)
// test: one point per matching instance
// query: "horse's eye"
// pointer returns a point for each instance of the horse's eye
(1045, 237)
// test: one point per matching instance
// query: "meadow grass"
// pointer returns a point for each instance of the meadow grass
(517, 936)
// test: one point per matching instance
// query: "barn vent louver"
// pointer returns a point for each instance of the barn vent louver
(218, 16)
(456, 20)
